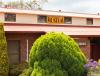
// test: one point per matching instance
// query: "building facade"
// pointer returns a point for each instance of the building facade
(23, 27)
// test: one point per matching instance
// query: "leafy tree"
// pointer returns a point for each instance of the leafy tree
(35, 4)
(3, 53)
(31, 4)
(1, 3)
(14, 4)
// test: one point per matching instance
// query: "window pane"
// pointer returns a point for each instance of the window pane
(42, 19)
(13, 51)
(10, 17)
(89, 21)
(67, 20)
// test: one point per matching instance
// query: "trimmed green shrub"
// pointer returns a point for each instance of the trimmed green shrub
(55, 54)
(4, 66)
(17, 69)
(26, 72)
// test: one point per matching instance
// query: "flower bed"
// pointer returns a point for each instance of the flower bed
(93, 68)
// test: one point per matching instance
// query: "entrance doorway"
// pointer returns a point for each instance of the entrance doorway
(13, 51)
(95, 48)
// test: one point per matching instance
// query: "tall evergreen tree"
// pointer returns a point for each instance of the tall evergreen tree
(3, 53)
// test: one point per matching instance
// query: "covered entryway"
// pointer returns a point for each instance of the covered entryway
(27, 33)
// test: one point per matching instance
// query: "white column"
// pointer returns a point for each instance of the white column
(27, 50)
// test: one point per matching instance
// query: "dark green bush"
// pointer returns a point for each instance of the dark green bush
(15, 70)
(4, 67)
(56, 54)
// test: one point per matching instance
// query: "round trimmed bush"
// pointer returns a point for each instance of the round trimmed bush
(55, 54)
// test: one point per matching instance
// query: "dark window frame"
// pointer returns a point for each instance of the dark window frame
(42, 19)
(67, 20)
(10, 17)
(89, 21)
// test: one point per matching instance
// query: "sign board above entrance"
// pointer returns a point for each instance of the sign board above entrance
(55, 19)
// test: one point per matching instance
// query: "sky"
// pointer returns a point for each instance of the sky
(80, 6)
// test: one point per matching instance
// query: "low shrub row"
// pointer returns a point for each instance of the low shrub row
(15, 70)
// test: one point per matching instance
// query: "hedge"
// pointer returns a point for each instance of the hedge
(3, 53)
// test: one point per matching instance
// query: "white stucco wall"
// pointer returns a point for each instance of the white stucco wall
(96, 22)
(78, 21)
(26, 18)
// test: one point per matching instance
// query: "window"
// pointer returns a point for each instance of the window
(42, 19)
(81, 42)
(10, 17)
(13, 51)
(90, 21)
(68, 20)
